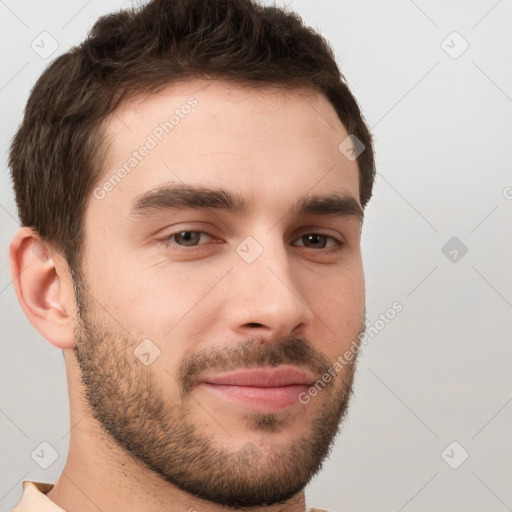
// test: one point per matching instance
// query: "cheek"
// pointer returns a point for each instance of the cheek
(166, 302)
(338, 303)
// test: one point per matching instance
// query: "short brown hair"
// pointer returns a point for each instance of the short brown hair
(56, 155)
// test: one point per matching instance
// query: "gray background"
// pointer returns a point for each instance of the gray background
(439, 372)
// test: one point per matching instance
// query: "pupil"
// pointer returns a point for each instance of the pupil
(314, 238)
(188, 236)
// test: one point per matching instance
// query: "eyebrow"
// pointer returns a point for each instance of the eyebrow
(176, 196)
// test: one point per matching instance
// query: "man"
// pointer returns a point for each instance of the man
(191, 183)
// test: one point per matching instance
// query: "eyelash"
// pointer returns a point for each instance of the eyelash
(167, 241)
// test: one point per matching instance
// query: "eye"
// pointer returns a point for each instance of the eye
(185, 238)
(190, 238)
(319, 241)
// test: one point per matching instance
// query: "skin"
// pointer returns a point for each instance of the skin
(152, 432)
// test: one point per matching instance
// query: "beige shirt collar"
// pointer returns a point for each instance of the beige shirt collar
(34, 498)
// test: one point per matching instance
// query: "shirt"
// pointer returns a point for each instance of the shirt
(34, 499)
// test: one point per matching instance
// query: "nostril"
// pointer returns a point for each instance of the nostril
(254, 324)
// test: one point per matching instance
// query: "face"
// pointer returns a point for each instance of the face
(221, 282)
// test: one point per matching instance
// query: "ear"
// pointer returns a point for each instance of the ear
(44, 287)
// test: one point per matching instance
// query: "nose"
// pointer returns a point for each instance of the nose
(266, 297)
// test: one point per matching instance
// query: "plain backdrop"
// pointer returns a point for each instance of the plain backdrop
(429, 427)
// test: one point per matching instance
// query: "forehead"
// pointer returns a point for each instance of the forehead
(266, 141)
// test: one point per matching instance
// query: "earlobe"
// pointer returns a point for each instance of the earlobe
(44, 287)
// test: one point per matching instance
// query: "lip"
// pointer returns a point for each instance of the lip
(262, 390)
(262, 377)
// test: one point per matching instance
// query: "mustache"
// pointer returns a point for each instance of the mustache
(251, 353)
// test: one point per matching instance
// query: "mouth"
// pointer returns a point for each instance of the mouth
(260, 389)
